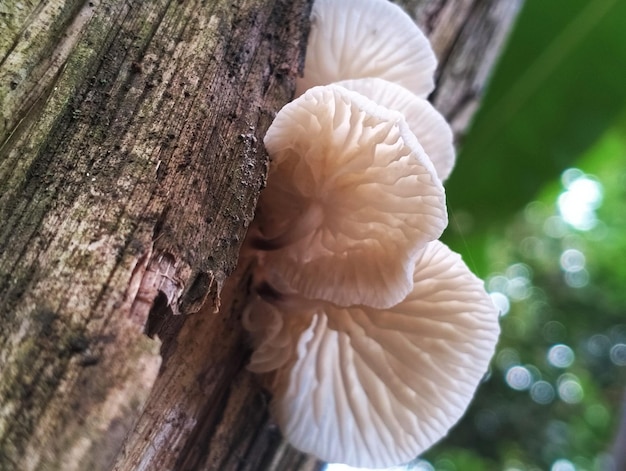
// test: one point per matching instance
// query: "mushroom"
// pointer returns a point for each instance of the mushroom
(376, 387)
(431, 129)
(351, 200)
(352, 39)
(370, 333)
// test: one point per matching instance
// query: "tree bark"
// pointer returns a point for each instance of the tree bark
(130, 166)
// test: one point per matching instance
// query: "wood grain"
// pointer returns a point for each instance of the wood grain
(130, 166)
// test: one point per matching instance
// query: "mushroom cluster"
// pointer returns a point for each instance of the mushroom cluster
(371, 334)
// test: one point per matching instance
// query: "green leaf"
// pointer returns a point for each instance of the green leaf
(558, 87)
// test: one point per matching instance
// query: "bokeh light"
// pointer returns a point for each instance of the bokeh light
(506, 358)
(420, 465)
(555, 227)
(519, 378)
(345, 467)
(577, 205)
(617, 354)
(563, 465)
(560, 356)
(499, 283)
(501, 302)
(542, 392)
(572, 260)
(569, 388)
(519, 288)
(577, 279)
(598, 345)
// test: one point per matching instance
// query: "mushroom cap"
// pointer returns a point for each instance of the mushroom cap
(431, 129)
(352, 39)
(351, 200)
(376, 388)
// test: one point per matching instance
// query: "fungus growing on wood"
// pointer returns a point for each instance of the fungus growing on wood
(353, 39)
(370, 333)
(351, 200)
(431, 129)
(376, 387)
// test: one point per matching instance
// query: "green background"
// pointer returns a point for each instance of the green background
(556, 102)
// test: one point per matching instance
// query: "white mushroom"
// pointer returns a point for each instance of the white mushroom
(352, 39)
(431, 129)
(351, 200)
(371, 387)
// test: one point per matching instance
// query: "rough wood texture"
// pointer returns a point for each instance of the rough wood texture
(130, 165)
(467, 36)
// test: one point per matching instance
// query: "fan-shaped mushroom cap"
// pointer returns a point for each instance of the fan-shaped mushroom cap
(351, 200)
(352, 39)
(376, 388)
(431, 129)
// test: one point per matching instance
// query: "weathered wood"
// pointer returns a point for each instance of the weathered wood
(130, 165)
(467, 37)
(206, 411)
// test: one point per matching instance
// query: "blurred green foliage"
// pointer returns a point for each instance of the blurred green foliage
(556, 384)
(553, 396)
(559, 85)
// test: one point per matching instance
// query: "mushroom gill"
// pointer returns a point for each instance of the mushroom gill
(351, 200)
(353, 39)
(431, 129)
(376, 387)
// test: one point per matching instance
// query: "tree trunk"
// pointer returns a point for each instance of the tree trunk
(130, 166)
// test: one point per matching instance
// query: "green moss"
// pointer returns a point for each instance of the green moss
(32, 38)
(31, 377)
(13, 14)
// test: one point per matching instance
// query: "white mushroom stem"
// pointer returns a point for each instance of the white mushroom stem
(376, 387)
(306, 223)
